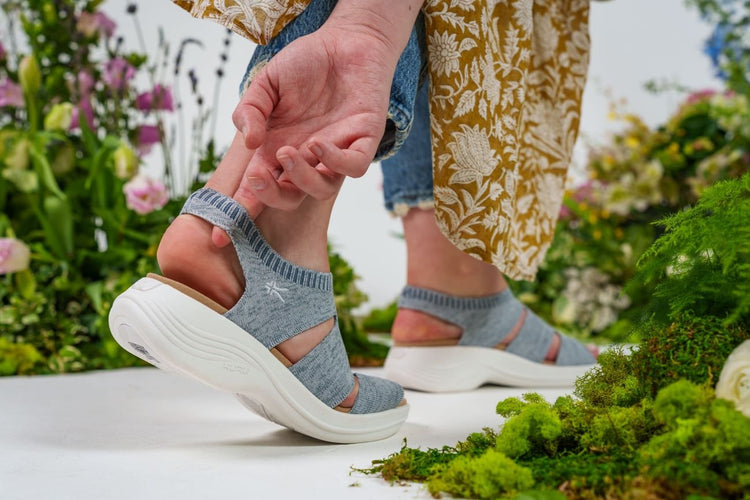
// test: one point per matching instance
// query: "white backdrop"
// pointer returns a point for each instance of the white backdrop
(632, 41)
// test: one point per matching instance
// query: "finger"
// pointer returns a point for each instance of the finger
(352, 161)
(252, 205)
(255, 108)
(261, 185)
(319, 183)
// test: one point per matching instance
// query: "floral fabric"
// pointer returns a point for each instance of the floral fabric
(506, 82)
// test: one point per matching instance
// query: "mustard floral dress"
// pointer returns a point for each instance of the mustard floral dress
(506, 82)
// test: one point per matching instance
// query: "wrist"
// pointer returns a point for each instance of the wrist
(385, 23)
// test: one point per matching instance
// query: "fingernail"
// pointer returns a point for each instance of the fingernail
(257, 183)
(286, 162)
(316, 149)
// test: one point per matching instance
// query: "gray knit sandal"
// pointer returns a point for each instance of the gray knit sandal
(176, 328)
(479, 356)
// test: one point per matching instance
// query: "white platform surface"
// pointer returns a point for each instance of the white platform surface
(142, 433)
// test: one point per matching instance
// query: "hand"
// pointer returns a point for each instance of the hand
(314, 114)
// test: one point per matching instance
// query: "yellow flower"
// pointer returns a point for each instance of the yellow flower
(593, 219)
(597, 234)
(632, 142)
(126, 162)
(618, 233)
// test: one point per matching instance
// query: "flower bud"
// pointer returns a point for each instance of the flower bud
(18, 159)
(30, 75)
(126, 162)
(14, 255)
(59, 117)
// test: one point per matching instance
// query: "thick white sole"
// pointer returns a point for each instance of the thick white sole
(175, 332)
(463, 368)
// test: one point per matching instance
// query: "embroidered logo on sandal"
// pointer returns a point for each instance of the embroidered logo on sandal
(275, 291)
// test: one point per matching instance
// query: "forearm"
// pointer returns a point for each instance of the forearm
(390, 21)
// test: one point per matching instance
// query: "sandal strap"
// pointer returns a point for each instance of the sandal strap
(286, 299)
(376, 395)
(325, 370)
(573, 353)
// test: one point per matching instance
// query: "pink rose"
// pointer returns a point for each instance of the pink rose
(148, 135)
(144, 195)
(14, 255)
(11, 94)
(160, 98)
(117, 73)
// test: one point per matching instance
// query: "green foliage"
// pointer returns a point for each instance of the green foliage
(691, 348)
(18, 358)
(706, 447)
(490, 475)
(362, 351)
(532, 430)
(381, 320)
(701, 265)
(612, 382)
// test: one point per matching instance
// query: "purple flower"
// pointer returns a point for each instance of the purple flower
(88, 113)
(144, 195)
(93, 23)
(14, 255)
(159, 98)
(117, 73)
(148, 135)
(11, 94)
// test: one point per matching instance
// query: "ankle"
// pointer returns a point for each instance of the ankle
(187, 255)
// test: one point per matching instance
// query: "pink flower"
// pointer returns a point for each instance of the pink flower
(92, 23)
(144, 195)
(699, 95)
(159, 98)
(117, 73)
(11, 94)
(14, 255)
(148, 135)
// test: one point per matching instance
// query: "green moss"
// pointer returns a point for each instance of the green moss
(691, 348)
(611, 383)
(531, 431)
(490, 475)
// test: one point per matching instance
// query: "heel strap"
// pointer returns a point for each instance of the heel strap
(280, 299)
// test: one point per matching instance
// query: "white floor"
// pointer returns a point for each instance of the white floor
(142, 434)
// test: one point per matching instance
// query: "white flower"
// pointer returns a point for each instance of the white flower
(734, 381)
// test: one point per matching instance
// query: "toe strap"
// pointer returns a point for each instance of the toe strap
(376, 394)
(325, 370)
(573, 352)
(534, 339)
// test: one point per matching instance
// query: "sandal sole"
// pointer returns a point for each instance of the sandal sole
(464, 368)
(172, 331)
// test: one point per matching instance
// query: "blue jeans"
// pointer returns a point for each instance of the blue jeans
(407, 177)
